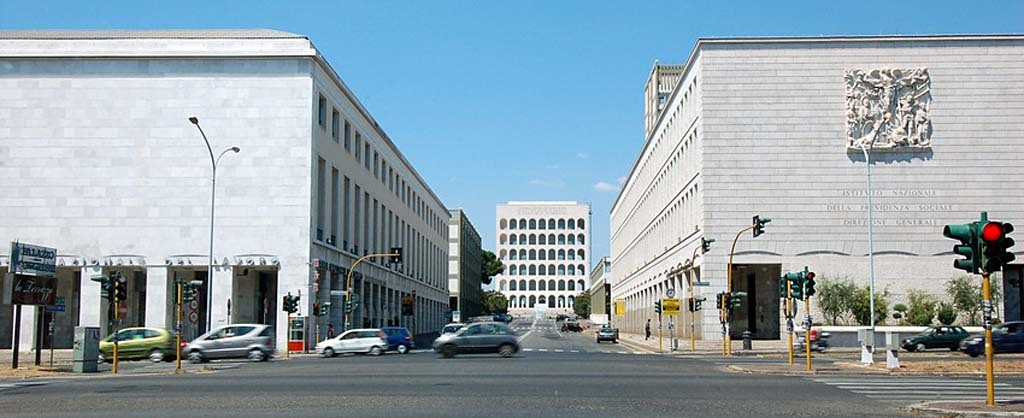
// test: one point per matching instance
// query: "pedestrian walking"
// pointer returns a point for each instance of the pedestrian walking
(330, 330)
(647, 329)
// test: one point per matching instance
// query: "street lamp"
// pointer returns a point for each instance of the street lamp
(865, 146)
(213, 196)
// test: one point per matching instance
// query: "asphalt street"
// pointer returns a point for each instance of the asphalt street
(557, 374)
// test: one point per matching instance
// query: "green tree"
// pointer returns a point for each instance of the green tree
(581, 305)
(946, 313)
(491, 267)
(861, 306)
(494, 302)
(965, 293)
(922, 307)
(835, 298)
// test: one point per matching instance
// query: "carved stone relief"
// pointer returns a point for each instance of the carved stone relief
(904, 95)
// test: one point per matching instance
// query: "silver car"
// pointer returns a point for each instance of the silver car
(369, 341)
(252, 341)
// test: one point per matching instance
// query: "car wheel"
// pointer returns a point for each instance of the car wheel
(196, 357)
(974, 354)
(615, 341)
(375, 351)
(448, 351)
(506, 350)
(329, 352)
(156, 355)
(402, 349)
(954, 348)
(920, 347)
(256, 355)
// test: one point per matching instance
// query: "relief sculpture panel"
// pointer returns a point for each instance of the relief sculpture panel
(888, 108)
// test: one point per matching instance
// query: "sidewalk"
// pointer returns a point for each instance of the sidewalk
(702, 347)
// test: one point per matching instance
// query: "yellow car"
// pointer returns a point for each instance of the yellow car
(156, 344)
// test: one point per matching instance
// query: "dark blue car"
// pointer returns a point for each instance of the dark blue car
(399, 339)
(1007, 337)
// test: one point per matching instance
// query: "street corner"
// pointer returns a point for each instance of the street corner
(1004, 408)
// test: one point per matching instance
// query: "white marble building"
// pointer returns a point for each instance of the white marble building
(545, 248)
(773, 127)
(101, 162)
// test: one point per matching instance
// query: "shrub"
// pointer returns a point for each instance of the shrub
(946, 313)
(861, 306)
(899, 312)
(834, 298)
(922, 307)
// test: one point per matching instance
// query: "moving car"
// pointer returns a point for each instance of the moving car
(482, 337)
(452, 328)
(252, 341)
(935, 337)
(399, 339)
(368, 341)
(1007, 337)
(608, 334)
(571, 326)
(502, 317)
(157, 344)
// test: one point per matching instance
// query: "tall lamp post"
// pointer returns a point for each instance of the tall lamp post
(865, 146)
(213, 197)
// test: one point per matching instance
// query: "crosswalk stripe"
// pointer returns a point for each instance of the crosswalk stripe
(527, 349)
(543, 350)
(558, 350)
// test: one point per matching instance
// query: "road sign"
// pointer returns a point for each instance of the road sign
(33, 260)
(122, 310)
(671, 293)
(456, 316)
(701, 284)
(670, 306)
(193, 317)
(55, 308)
(194, 304)
(338, 293)
(620, 307)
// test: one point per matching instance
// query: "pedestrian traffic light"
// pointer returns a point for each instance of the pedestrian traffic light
(967, 234)
(657, 307)
(690, 306)
(759, 225)
(291, 303)
(698, 303)
(996, 242)
(705, 245)
(808, 282)
(736, 300)
(397, 257)
(120, 287)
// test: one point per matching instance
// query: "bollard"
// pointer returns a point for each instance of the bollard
(746, 341)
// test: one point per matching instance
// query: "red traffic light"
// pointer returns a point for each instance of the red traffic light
(992, 232)
(810, 275)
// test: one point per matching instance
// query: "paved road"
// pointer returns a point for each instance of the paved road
(580, 380)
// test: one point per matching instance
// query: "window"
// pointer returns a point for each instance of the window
(512, 225)
(561, 224)
(359, 146)
(533, 239)
(321, 117)
(522, 254)
(572, 239)
(366, 155)
(533, 286)
(572, 224)
(551, 224)
(511, 285)
(533, 224)
(348, 137)
(512, 256)
(522, 285)
(334, 124)
(512, 240)
(533, 254)
(542, 286)
(376, 164)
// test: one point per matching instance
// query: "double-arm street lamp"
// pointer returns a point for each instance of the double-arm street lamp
(213, 196)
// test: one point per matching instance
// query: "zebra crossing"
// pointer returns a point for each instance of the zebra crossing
(907, 389)
(560, 350)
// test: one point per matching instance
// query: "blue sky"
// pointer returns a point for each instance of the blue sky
(529, 100)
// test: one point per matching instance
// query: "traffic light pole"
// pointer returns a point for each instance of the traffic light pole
(728, 338)
(807, 332)
(986, 289)
(177, 327)
(693, 329)
(117, 314)
(660, 349)
(348, 284)
(789, 319)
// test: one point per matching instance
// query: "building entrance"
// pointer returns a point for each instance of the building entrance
(254, 296)
(759, 313)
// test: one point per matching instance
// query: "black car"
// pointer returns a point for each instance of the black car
(502, 317)
(935, 337)
(1007, 337)
(481, 337)
(571, 326)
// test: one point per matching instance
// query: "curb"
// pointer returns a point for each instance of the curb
(926, 407)
(638, 347)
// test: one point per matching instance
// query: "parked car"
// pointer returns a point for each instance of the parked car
(483, 337)
(571, 326)
(1007, 337)
(608, 334)
(368, 341)
(502, 317)
(935, 337)
(399, 339)
(252, 341)
(452, 328)
(157, 344)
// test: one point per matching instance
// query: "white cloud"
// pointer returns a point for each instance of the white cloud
(605, 187)
(583, 155)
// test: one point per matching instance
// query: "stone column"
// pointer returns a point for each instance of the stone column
(158, 302)
(91, 304)
(223, 283)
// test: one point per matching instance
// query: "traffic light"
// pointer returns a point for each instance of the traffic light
(690, 305)
(325, 308)
(316, 309)
(996, 242)
(759, 225)
(104, 282)
(967, 234)
(795, 281)
(736, 300)
(808, 282)
(657, 307)
(698, 303)
(120, 287)
(397, 258)
(348, 306)
(190, 290)
(705, 245)
(720, 300)
(291, 303)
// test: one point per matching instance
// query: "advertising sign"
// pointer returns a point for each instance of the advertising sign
(33, 260)
(620, 307)
(29, 290)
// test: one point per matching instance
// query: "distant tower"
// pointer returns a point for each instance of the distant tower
(660, 83)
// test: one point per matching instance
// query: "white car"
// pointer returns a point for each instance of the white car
(368, 341)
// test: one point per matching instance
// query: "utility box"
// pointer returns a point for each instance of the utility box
(892, 350)
(86, 350)
(866, 337)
